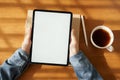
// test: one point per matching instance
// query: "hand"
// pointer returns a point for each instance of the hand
(27, 40)
(74, 46)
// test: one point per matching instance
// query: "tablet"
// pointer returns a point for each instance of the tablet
(50, 37)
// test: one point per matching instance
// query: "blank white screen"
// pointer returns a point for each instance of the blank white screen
(50, 37)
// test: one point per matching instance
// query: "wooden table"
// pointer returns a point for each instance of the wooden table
(12, 19)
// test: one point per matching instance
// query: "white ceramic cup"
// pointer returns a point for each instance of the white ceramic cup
(108, 46)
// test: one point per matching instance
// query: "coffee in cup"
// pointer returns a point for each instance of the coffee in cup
(102, 37)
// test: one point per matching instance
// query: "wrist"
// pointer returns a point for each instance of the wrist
(25, 50)
(74, 50)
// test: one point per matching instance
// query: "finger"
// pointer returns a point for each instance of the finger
(28, 32)
(73, 38)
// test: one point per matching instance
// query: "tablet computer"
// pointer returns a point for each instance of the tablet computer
(50, 37)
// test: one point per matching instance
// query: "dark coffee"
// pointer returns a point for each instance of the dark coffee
(101, 37)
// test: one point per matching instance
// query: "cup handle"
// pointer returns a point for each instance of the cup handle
(110, 48)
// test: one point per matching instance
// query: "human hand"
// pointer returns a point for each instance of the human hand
(74, 46)
(27, 40)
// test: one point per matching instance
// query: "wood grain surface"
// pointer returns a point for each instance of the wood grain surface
(13, 14)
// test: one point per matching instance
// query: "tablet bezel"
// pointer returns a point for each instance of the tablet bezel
(52, 11)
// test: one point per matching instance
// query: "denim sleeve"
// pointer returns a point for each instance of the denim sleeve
(83, 68)
(12, 68)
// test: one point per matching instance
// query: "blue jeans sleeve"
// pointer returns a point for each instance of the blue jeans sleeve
(83, 68)
(12, 68)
